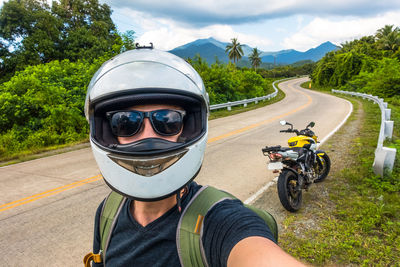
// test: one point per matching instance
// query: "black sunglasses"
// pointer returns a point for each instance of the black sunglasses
(165, 122)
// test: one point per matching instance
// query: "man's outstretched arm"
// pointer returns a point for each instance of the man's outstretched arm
(259, 251)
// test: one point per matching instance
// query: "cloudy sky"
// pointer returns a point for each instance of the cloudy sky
(269, 25)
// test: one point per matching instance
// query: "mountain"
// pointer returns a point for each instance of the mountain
(210, 49)
(291, 56)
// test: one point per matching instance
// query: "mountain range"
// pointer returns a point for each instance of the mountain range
(210, 49)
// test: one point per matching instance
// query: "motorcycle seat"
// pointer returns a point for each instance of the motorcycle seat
(272, 148)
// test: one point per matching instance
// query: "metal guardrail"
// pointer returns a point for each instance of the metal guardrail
(384, 156)
(244, 102)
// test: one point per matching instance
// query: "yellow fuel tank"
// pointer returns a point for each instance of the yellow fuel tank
(301, 140)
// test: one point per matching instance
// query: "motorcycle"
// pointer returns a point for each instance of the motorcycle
(298, 165)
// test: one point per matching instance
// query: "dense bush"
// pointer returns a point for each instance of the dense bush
(227, 83)
(384, 81)
(43, 106)
(297, 69)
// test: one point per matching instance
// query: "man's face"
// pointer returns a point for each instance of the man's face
(147, 130)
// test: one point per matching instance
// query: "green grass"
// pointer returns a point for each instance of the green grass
(363, 226)
(42, 152)
(313, 87)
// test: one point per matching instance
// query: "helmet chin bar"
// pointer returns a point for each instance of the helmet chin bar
(147, 166)
(153, 199)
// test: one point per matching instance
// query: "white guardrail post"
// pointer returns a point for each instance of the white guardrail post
(384, 156)
(244, 102)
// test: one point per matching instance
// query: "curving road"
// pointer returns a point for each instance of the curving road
(47, 205)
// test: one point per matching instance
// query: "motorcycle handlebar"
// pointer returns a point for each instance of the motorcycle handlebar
(290, 131)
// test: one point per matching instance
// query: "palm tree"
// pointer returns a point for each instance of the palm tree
(255, 58)
(385, 31)
(388, 38)
(234, 50)
(392, 42)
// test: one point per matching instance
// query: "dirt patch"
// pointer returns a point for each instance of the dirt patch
(316, 200)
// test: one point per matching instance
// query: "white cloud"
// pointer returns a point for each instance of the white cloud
(167, 34)
(209, 12)
(300, 20)
(167, 37)
(297, 24)
(320, 30)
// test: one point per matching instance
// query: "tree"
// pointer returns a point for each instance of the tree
(234, 50)
(128, 41)
(385, 31)
(255, 58)
(88, 31)
(388, 38)
(32, 32)
(28, 34)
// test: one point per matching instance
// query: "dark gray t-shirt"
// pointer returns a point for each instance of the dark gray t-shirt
(225, 225)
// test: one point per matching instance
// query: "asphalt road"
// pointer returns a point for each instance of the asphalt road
(47, 205)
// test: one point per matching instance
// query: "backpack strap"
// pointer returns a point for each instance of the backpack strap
(268, 219)
(190, 228)
(111, 208)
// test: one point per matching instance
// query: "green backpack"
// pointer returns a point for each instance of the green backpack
(190, 227)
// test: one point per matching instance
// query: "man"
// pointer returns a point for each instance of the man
(148, 114)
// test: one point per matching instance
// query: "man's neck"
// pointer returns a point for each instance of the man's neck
(146, 212)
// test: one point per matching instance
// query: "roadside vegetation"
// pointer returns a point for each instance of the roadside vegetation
(226, 83)
(368, 65)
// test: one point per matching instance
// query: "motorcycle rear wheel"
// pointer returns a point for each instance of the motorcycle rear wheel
(323, 167)
(290, 198)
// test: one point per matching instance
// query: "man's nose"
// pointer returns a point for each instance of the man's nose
(148, 130)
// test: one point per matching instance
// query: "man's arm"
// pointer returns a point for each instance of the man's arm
(259, 251)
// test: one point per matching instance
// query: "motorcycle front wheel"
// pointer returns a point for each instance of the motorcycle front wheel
(323, 166)
(290, 197)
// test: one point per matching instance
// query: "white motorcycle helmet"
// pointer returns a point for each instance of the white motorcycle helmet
(153, 168)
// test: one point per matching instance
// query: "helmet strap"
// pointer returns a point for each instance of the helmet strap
(179, 196)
